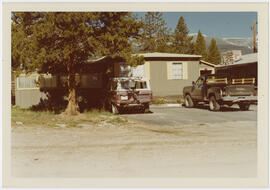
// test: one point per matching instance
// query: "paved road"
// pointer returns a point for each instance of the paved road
(174, 116)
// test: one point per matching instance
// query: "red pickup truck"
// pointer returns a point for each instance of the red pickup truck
(128, 92)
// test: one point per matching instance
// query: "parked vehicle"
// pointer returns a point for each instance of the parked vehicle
(220, 91)
(128, 92)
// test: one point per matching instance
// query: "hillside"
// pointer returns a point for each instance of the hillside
(225, 44)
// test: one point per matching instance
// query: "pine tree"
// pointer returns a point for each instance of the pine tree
(200, 46)
(22, 48)
(213, 53)
(155, 33)
(60, 42)
(182, 42)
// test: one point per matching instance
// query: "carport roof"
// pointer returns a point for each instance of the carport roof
(207, 63)
(248, 58)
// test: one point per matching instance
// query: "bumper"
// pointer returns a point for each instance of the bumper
(235, 99)
(132, 104)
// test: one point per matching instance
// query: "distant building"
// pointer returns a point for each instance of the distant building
(169, 73)
(229, 57)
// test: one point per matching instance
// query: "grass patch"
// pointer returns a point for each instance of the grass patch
(168, 100)
(96, 112)
(30, 117)
(46, 118)
(159, 101)
(118, 120)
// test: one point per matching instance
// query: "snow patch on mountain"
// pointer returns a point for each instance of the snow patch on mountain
(195, 34)
(226, 44)
(246, 42)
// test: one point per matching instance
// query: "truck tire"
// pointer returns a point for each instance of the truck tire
(146, 108)
(188, 101)
(115, 109)
(213, 104)
(244, 107)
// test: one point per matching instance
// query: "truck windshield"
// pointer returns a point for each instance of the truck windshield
(141, 85)
(127, 84)
(130, 84)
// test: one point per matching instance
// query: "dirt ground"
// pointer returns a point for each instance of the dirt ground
(226, 149)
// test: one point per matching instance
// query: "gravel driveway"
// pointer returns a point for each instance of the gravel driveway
(179, 143)
(173, 116)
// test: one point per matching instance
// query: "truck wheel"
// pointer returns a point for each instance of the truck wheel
(146, 108)
(213, 104)
(188, 101)
(115, 109)
(244, 107)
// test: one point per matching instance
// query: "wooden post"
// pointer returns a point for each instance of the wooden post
(254, 37)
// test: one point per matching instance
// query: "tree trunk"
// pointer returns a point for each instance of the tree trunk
(72, 107)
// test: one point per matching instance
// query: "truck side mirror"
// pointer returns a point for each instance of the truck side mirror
(193, 83)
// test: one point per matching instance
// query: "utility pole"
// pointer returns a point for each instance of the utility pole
(254, 37)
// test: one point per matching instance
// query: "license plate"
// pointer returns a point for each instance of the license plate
(241, 97)
(124, 97)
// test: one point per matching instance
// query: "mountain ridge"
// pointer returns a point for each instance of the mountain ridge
(226, 44)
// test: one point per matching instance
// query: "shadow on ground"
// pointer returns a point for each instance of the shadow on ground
(134, 111)
(222, 109)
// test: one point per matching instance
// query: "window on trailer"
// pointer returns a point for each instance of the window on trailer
(177, 71)
(27, 82)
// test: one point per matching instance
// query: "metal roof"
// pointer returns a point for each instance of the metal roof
(248, 58)
(152, 55)
(172, 55)
(244, 59)
(207, 63)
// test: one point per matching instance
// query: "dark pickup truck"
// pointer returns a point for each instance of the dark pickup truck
(220, 91)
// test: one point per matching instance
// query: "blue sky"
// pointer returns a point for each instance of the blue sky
(214, 24)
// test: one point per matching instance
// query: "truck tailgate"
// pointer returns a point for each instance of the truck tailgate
(240, 90)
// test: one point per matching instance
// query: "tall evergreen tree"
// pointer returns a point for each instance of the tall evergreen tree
(60, 42)
(200, 46)
(213, 53)
(182, 42)
(22, 46)
(155, 33)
